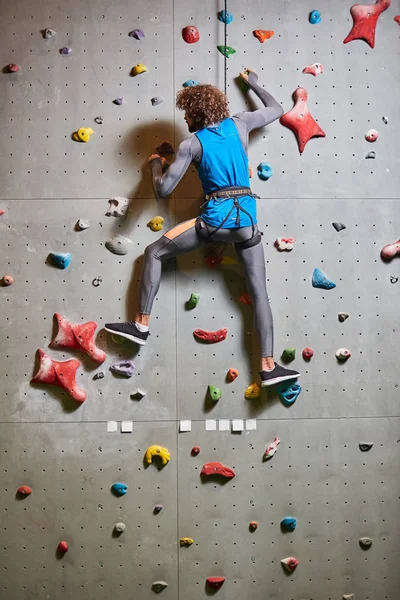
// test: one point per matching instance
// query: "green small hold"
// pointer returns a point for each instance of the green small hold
(193, 301)
(226, 50)
(214, 393)
(288, 354)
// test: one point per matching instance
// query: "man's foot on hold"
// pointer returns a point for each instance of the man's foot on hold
(276, 375)
(128, 330)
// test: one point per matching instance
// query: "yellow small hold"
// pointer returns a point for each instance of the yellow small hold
(186, 541)
(155, 223)
(160, 451)
(138, 69)
(229, 260)
(252, 392)
(83, 134)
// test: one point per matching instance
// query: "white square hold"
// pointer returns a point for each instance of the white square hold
(237, 425)
(223, 425)
(211, 425)
(251, 424)
(185, 426)
(112, 426)
(126, 426)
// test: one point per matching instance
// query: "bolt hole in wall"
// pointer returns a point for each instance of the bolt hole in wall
(183, 528)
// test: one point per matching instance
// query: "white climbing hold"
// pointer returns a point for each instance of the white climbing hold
(118, 206)
(342, 354)
(138, 394)
(348, 596)
(119, 527)
(285, 243)
(118, 244)
(81, 225)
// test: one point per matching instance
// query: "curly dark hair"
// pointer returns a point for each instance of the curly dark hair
(205, 104)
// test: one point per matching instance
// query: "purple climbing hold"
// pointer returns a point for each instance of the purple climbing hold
(118, 101)
(158, 508)
(65, 50)
(138, 34)
(123, 367)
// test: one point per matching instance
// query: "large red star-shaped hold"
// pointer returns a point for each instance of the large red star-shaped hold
(299, 120)
(79, 336)
(61, 374)
(365, 18)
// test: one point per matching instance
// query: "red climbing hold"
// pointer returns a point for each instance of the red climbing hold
(79, 336)
(24, 490)
(12, 68)
(308, 353)
(365, 17)
(190, 34)
(217, 468)
(397, 19)
(245, 299)
(195, 450)
(7, 280)
(1, 212)
(59, 373)
(299, 120)
(215, 582)
(213, 259)
(210, 337)
(62, 547)
(390, 250)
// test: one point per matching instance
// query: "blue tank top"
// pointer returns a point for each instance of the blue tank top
(224, 164)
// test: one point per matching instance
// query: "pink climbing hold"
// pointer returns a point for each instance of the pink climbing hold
(7, 280)
(210, 337)
(300, 121)
(79, 336)
(371, 135)
(190, 34)
(314, 69)
(62, 547)
(12, 68)
(365, 18)
(61, 374)
(271, 448)
(308, 353)
(390, 250)
(1, 212)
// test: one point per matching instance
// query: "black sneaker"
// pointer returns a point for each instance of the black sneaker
(276, 375)
(129, 331)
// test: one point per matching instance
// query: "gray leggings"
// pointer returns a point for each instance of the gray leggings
(184, 238)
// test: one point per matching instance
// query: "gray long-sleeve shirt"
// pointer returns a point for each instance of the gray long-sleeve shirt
(190, 150)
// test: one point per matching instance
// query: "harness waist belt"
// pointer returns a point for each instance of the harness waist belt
(229, 193)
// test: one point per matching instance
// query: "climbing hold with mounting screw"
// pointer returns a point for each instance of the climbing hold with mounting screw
(48, 34)
(263, 34)
(217, 468)
(288, 354)
(390, 250)
(61, 259)
(118, 206)
(253, 525)
(59, 373)
(195, 450)
(342, 354)
(157, 508)
(79, 336)
(62, 547)
(99, 375)
(82, 225)
(156, 100)
(227, 51)
(365, 542)
(83, 134)
(225, 17)
(315, 17)
(24, 490)
(159, 586)
(210, 337)
(271, 448)
(308, 353)
(215, 583)
(156, 223)
(186, 541)
(300, 121)
(138, 34)
(264, 171)
(119, 101)
(290, 394)
(119, 488)
(285, 244)
(119, 527)
(123, 367)
(190, 34)
(12, 68)
(371, 135)
(338, 226)
(7, 280)
(190, 83)
(365, 446)
(138, 394)
(65, 50)
(193, 300)
(118, 244)
(138, 69)
(157, 451)
(232, 374)
(213, 393)
(365, 18)
(342, 316)
(319, 280)
(99, 120)
(252, 392)
(290, 563)
(314, 69)
(289, 523)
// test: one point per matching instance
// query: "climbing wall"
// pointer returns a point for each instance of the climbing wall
(70, 455)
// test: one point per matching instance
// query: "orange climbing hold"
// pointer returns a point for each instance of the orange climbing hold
(300, 121)
(263, 34)
(59, 373)
(232, 374)
(24, 490)
(79, 336)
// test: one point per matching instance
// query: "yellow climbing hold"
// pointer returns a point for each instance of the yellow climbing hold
(155, 223)
(228, 260)
(83, 134)
(138, 69)
(186, 541)
(252, 392)
(155, 450)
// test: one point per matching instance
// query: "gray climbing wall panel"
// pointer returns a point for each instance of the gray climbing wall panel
(318, 475)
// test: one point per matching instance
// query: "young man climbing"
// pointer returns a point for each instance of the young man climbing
(219, 152)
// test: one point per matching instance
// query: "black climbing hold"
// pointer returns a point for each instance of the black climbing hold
(339, 226)
(365, 446)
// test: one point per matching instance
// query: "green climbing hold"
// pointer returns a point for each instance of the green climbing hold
(214, 393)
(288, 354)
(193, 301)
(226, 50)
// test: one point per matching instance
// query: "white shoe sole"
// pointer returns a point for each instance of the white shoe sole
(278, 380)
(132, 338)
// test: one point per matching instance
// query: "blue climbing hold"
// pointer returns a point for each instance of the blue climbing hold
(319, 280)
(290, 394)
(60, 259)
(289, 524)
(190, 82)
(315, 17)
(119, 488)
(225, 17)
(264, 171)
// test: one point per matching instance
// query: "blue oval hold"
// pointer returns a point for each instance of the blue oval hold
(225, 17)
(60, 259)
(119, 488)
(290, 394)
(315, 17)
(289, 523)
(190, 82)
(264, 171)
(319, 280)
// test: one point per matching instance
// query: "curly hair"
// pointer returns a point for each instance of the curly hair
(205, 104)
